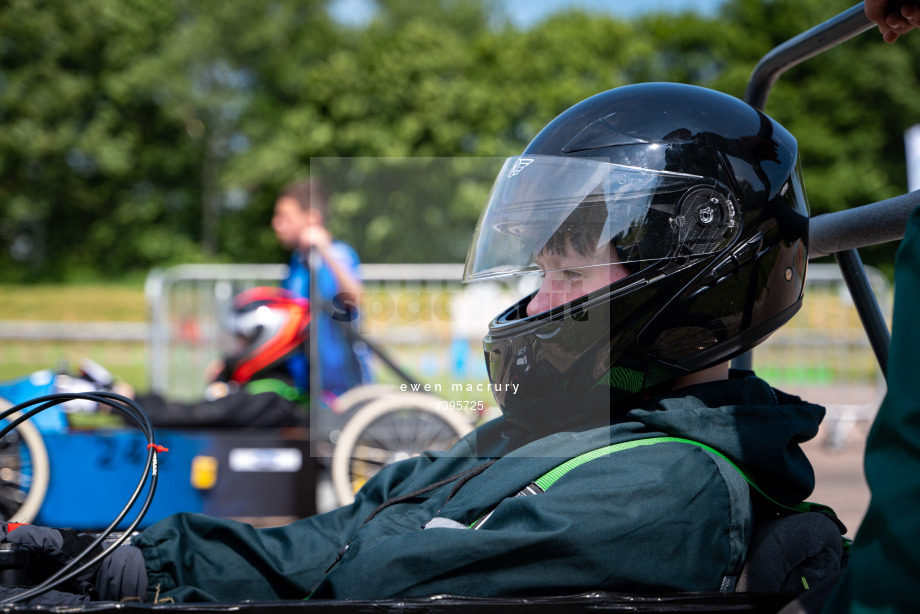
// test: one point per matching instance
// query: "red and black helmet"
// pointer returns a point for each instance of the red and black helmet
(272, 324)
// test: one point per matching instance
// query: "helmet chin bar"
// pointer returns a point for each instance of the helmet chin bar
(569, 366)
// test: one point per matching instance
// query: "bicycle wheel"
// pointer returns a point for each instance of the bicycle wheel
(24, 472)
(394, 427)
(359, 395)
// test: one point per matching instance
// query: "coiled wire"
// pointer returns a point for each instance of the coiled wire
(136, 414)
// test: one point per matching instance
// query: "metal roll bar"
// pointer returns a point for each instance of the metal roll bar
(808, 44)
(843, 232)
(831, 233)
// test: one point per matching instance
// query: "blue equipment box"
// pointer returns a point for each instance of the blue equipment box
(229, 473)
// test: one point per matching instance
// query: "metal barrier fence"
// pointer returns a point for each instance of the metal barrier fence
(433, 327)
(420, 314)
(27, 346)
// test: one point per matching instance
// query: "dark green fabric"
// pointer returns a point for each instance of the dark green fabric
(884, 562)
(654, 518)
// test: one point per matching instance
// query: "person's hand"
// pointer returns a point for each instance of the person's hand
(47, 550)
(316, 236)
(893, 21)
(124, 389)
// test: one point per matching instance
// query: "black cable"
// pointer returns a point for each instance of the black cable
(136, 413)
(140, 416)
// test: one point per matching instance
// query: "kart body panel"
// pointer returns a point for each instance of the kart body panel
(236, 473)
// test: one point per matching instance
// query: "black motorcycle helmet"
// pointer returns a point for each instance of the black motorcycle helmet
(695, 196)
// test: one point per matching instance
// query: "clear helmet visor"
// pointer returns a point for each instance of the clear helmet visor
(588, 212)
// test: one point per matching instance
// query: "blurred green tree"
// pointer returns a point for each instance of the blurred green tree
(141, 133)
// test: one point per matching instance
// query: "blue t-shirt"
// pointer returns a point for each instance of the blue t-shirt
(342, 365)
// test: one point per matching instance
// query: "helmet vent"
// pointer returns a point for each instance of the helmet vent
(601, 134)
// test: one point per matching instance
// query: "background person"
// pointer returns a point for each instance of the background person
(266, 382)
(299, 223)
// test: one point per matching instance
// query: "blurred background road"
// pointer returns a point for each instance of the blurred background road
(840, 480)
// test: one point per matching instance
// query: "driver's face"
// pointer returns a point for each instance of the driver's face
(569, 275)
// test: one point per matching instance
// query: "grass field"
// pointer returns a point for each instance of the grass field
(73, 303)
(65, 303)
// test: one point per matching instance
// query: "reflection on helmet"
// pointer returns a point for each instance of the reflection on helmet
(693, 196)
(270, 324)
(596, 204)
